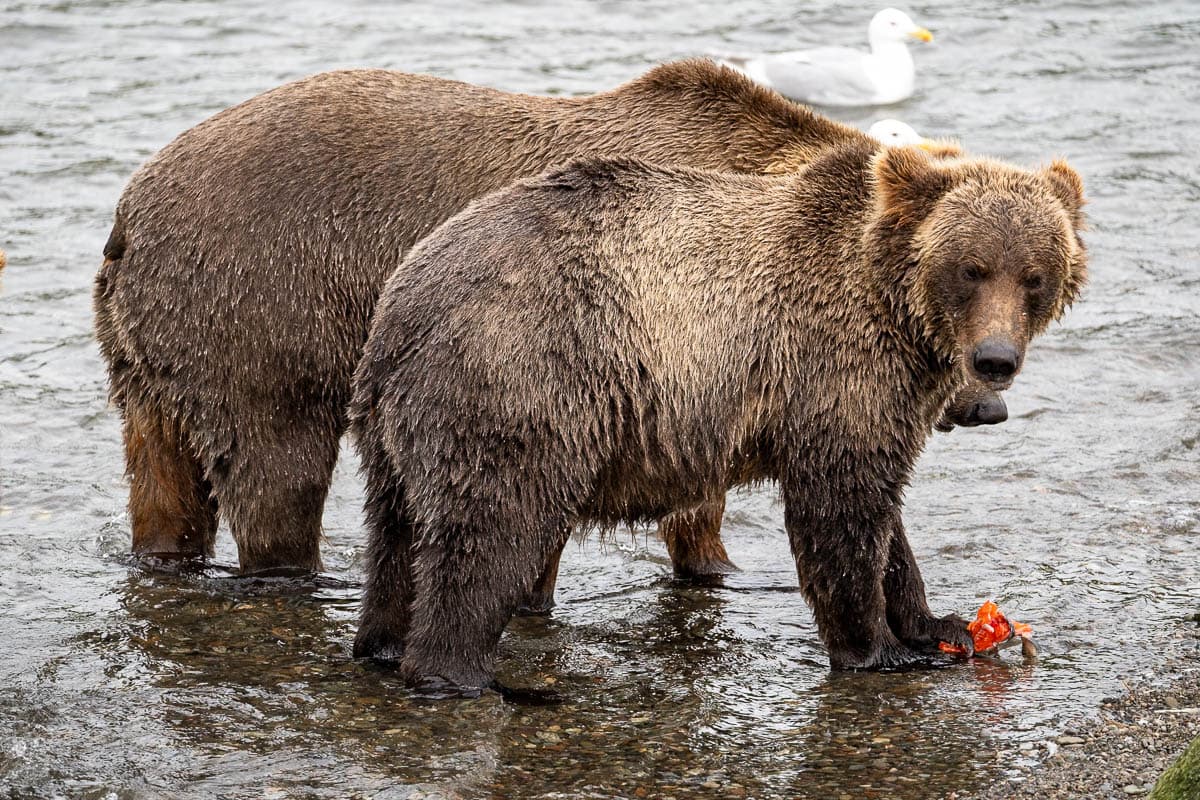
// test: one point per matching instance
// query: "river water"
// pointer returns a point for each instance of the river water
(1080, 515)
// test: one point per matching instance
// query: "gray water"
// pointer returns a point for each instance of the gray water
(1079, 515)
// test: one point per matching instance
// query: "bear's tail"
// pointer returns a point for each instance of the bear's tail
(107, 316)
(114, 248)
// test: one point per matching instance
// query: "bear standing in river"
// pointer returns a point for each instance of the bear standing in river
(614, 340)
(246, 258)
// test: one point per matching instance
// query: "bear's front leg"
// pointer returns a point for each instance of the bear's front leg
(908, 611)
(840, 540)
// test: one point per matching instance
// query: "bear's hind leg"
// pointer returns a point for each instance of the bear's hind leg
(693, 539)
(388, 590)
(171, 505)
(467, 581)
(540, 600)
(273, 491)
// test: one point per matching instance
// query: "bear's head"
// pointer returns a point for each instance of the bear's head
(989, 253)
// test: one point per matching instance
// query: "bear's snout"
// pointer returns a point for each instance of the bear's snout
(991, 410)
(996, 360)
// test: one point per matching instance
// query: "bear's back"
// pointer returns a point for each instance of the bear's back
(597, 271)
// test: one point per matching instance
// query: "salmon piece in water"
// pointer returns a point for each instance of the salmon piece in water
(990, 629)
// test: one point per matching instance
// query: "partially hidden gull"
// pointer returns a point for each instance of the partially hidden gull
(843, 76)
(895, 133)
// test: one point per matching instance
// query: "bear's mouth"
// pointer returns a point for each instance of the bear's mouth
(997, 385)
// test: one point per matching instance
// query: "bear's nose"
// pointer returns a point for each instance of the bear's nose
(989, 411)
(996, 360)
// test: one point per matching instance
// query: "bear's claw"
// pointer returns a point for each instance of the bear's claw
(527, 697)
(377, 645)
(887, 656)
(927, 632)
(709, 572)
(435, 687)
(536, 605)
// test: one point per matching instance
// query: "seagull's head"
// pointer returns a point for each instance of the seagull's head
(895, 133)
(893, 25)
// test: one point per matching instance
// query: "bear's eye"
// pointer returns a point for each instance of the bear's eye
(972, 273)
(1033, 282)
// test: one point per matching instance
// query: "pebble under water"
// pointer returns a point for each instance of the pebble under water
(1079, 515)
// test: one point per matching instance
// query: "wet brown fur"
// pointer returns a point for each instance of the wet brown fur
(612, 341)
(169, 495)
(246, 258)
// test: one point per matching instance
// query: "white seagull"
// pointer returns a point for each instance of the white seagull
(842, 76)
(895, 133)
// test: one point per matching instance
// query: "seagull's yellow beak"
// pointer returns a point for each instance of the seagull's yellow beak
(922, 34)
(941, 148)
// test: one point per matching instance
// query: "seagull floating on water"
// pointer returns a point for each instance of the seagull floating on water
(842, 76)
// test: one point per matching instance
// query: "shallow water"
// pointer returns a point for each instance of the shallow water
(1079, 515)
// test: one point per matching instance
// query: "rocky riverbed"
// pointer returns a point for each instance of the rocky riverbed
(1122, 752)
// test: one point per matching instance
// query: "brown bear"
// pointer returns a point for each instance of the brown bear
(246, 258)
(612, 341)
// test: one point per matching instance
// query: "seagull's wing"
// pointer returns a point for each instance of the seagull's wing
(823, 74)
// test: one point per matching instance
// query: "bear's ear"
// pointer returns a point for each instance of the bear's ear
(908, 183)
(1067, 187)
